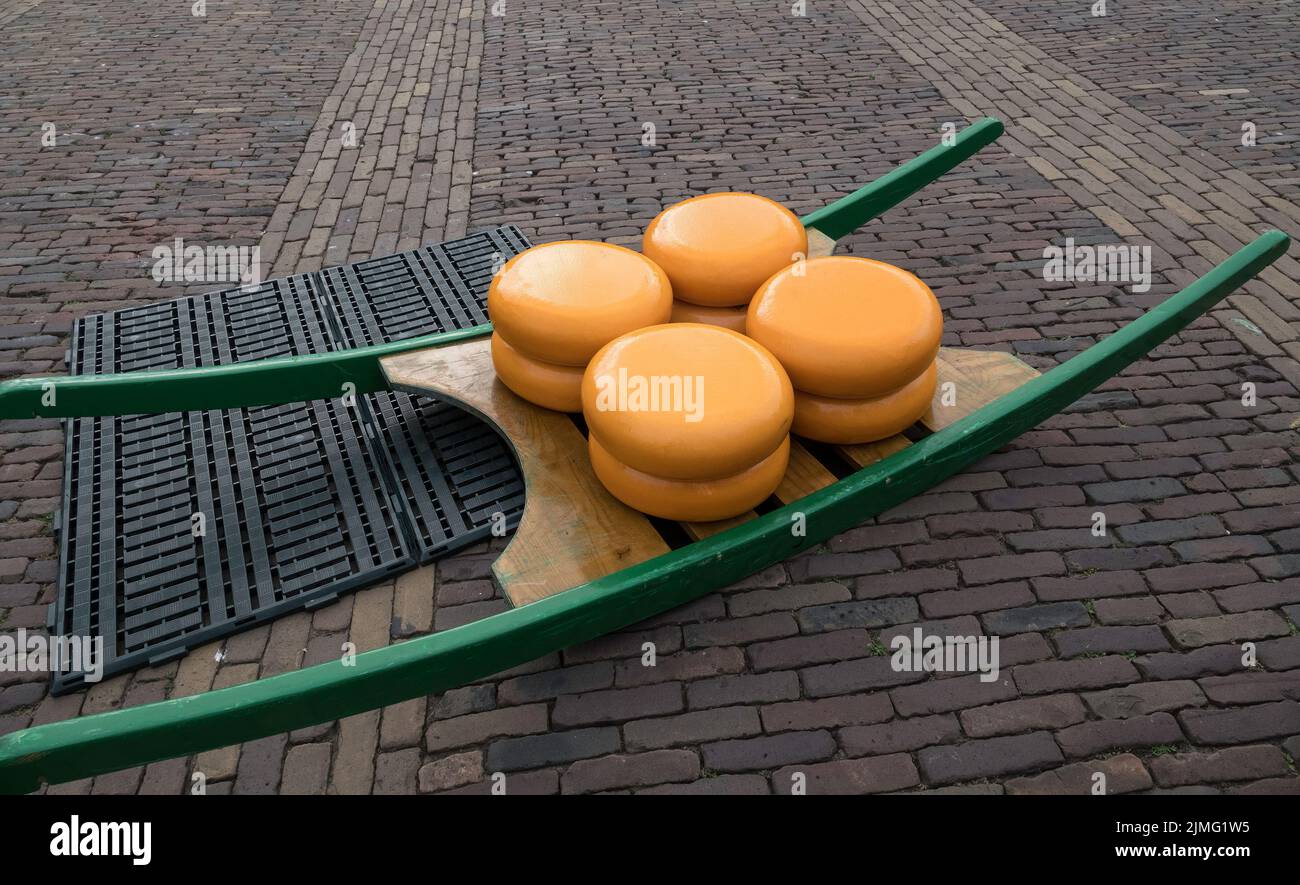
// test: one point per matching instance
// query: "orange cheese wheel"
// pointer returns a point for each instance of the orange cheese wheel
(846, 421)
(562, 302)
(847, 327)
(732, 318)
(719, 248)
(548, 385)
(690, 500)
(687, 401)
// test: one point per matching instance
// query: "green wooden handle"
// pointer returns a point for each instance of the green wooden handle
(241, 385)
(90, 745)
(849, 213)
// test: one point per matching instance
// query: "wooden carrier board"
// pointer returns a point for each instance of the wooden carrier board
(572, 530)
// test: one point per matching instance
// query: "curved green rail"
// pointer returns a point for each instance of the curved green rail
(110, 741)
(849, 213)
(323, 375)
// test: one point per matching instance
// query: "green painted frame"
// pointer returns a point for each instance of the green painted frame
(321, 376)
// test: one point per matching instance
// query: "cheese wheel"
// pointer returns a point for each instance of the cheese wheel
(847, 421)
(562, 302)
(719, 248)
(732, 318)
(690, 500)
(687, 401)
(847, 327)
(545, 384)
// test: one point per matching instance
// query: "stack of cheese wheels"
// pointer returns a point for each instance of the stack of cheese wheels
(553, 306)
(688, 421)
(859, 339)
(717, 249)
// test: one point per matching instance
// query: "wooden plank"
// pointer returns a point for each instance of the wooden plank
(978, 377)
(701, 530)
(804, 475)
(869, 453)
(572, 531)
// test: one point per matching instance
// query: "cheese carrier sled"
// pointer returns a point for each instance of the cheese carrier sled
(580, 564)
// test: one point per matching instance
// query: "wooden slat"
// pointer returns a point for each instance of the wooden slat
(804, 475)
(978, 378)
(572, 530)
(869, 453)
(701, 530)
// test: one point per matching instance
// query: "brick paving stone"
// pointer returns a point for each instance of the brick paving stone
(845, 677)
(864, 613)
(306, 770)
(1092, 738)
(260, 765)
(1123, 773)
(798, 651)
(743, 689)
(685, 666)
(552, 683)
(1128, 612)
(621, 772)
(1142, 698)
(1054, 676)
(1196, 632)
(720, 785)
(545, 782)
(1280, 654)
(1037, 617)
(617, 705)
(1110, 640)
(692, 728)
(396, 772)
(1252, 687)
(1205, 661)
(880, 774)
(536, 751)
(1115, 583)
(826, 713)
(1028, 714)
(474, 728)
(899, 736)
(1277, 786)
(1231, 764)
(956, 693)
(989, 757)
(1242, 724)
(772, 751)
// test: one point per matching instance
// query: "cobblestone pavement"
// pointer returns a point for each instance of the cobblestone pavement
(1120, 654)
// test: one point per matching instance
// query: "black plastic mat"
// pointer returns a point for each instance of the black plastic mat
(182, 528)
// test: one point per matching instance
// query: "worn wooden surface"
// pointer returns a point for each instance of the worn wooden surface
(572, 530)
(977, 378)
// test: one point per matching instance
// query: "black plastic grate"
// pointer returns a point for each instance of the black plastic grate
(299, 502)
